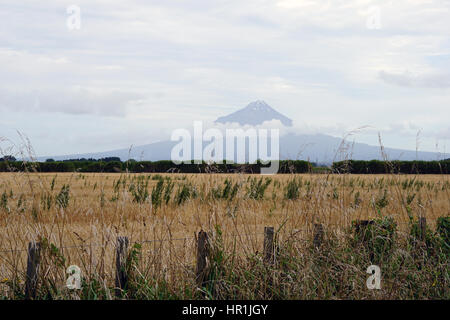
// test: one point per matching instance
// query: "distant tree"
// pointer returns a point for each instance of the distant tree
(8, 158)
(109, 159)
(50, 160)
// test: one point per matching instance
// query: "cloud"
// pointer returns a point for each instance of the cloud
(75, 101)
(408, 79)
(444, 134)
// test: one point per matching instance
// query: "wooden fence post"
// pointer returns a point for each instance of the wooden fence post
(318, 235)
(423, 229)
(34, 258)
(269, 245)
(202, 254)
(121, 265)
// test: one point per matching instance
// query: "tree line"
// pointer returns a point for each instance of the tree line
(385, 167)
(114, 164)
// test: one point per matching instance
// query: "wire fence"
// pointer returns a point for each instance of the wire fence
(293, 232)
(204, 241)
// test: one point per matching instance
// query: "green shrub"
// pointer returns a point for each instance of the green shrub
(62, 199)
(443, 229)
(229, 190)
(377, 237)
(382, 201)
(292, 190)
(4, 201)
(168, 191)
(157, 192)
(257, 188)
(185, 192)
(139, 191)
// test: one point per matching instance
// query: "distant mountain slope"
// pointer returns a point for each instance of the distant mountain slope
(316, 148)
(254, 114)
(319, 148)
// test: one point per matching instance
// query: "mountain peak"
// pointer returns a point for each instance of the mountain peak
(255, 113)
(258, 105)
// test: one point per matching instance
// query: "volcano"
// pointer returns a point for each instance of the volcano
(319, 147)
(255, 113)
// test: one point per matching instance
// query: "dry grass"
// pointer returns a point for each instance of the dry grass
(83, 226)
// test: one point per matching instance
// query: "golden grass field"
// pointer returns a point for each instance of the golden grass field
(81, 226)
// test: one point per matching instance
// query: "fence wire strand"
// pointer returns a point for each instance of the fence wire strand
(295, 233)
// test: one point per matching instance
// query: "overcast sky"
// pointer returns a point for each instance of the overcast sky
(136, 70)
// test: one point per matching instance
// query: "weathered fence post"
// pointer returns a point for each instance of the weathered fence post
(269, 245)
(202, 254)
(318, 235)
(121, 265)
(34, 251)
(423, 228)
